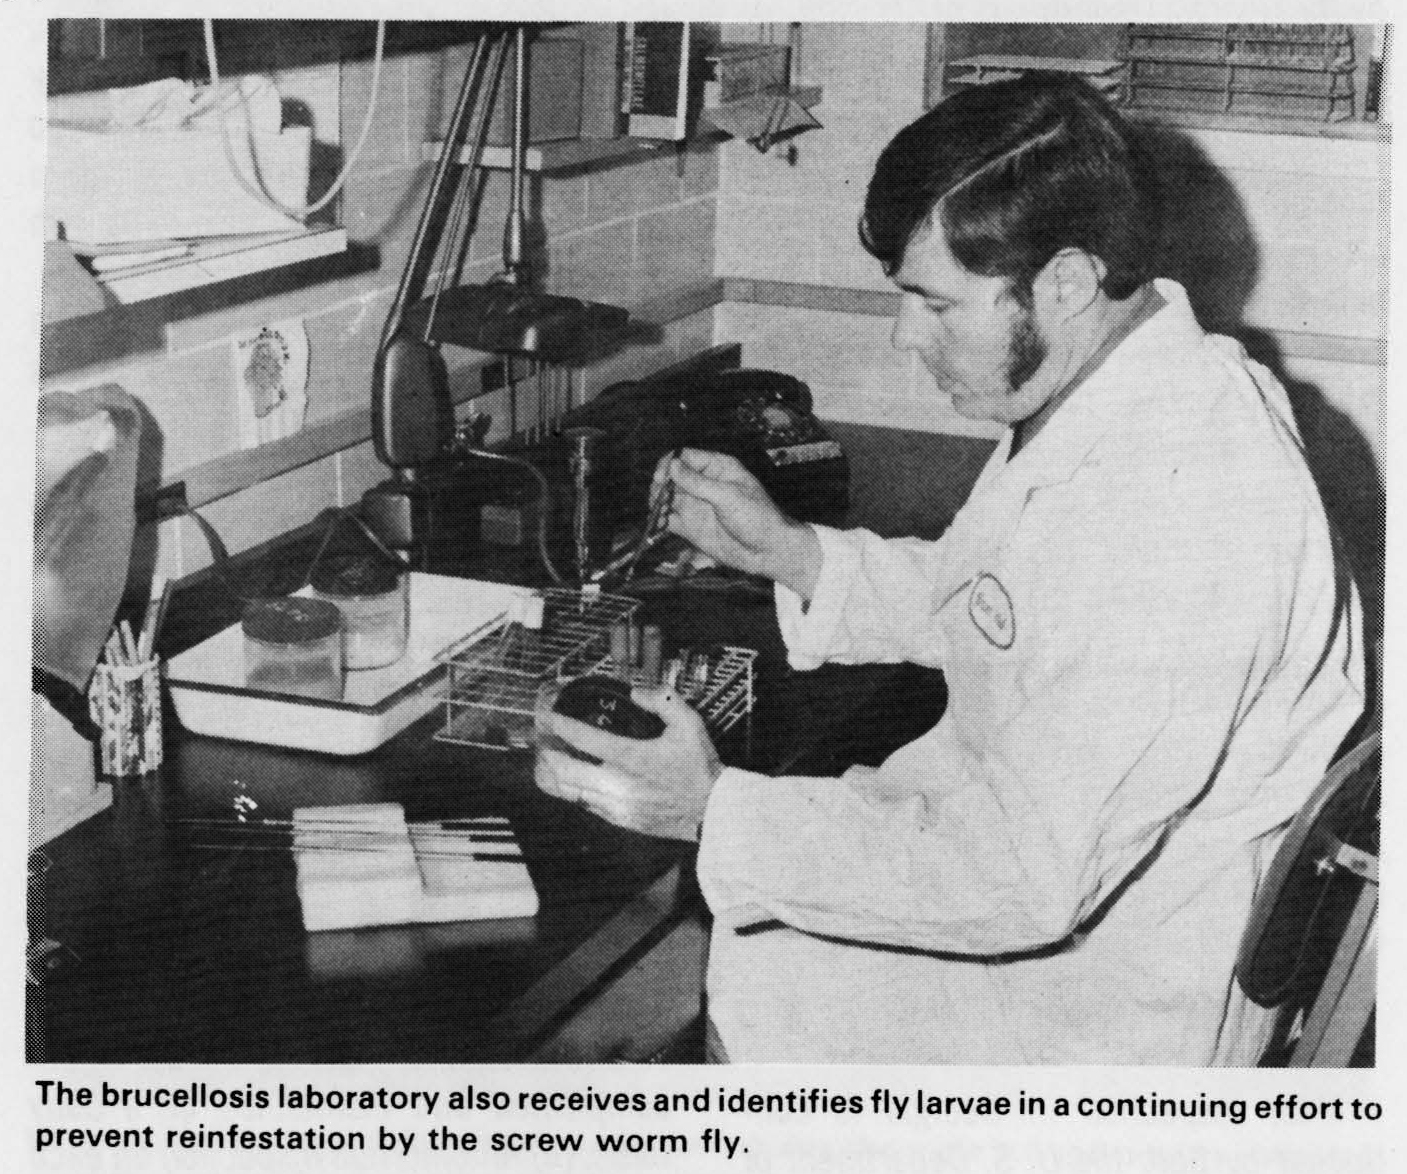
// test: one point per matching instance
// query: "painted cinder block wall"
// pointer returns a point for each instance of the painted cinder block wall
(626, 234)
(798, 223)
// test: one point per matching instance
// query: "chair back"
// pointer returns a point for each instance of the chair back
(1319, 873)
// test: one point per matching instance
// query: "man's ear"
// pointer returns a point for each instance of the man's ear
(1069, 283)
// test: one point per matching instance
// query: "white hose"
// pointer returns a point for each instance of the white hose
(209, 26)
(257, 191)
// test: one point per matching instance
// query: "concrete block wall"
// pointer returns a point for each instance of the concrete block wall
(626, 234)
(798, 223)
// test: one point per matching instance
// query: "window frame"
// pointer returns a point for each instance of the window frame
(952, 41)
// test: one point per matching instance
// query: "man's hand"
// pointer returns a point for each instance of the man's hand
(722, 509)
(658, 786)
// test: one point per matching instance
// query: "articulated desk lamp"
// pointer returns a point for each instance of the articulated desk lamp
(412, 415)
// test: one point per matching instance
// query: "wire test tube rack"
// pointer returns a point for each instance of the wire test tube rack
(493, 674)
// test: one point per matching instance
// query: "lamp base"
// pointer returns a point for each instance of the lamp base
(398, 512)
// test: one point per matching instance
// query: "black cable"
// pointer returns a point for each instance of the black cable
(544, 508)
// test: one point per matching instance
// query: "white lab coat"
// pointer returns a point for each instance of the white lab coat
(1150, 662)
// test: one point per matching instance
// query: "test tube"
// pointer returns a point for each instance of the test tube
(700, 668)
(620, 645)
(582, 441)
(651, 654)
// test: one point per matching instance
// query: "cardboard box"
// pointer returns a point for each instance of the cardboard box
(136, 185)
(555, 66)
(740, 70)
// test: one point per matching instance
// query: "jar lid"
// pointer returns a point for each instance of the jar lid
(355, 575)
(290, 620)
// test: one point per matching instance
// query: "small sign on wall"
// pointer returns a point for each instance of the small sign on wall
(271, 381)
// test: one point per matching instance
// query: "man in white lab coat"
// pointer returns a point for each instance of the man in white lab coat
(1150, 653)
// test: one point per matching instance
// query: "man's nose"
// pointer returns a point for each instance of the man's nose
(908, 325)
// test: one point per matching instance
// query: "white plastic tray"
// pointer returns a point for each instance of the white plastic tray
(208, 689)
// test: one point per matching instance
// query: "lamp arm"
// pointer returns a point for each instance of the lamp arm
(411, 410)
(433, 213)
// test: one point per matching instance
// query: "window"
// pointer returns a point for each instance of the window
(1272, 70)
(1244, 76)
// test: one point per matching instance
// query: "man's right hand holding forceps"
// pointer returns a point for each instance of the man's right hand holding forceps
(722, 509)
(661, 786)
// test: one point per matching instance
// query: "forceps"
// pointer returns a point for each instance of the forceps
(656, 529)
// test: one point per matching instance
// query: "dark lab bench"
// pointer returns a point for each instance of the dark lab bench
(188, 953)
(193, 953)
(196, 953)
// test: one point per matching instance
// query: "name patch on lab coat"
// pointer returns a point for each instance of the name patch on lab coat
(990, 608)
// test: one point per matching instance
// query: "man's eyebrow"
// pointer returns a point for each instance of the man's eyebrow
(926, 294)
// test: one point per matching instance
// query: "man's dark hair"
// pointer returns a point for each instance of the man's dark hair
(1017, 171)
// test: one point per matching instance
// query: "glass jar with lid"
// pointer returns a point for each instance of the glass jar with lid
(294, 645)
(373, 595)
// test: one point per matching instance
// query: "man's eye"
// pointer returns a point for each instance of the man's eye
(938, 307)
